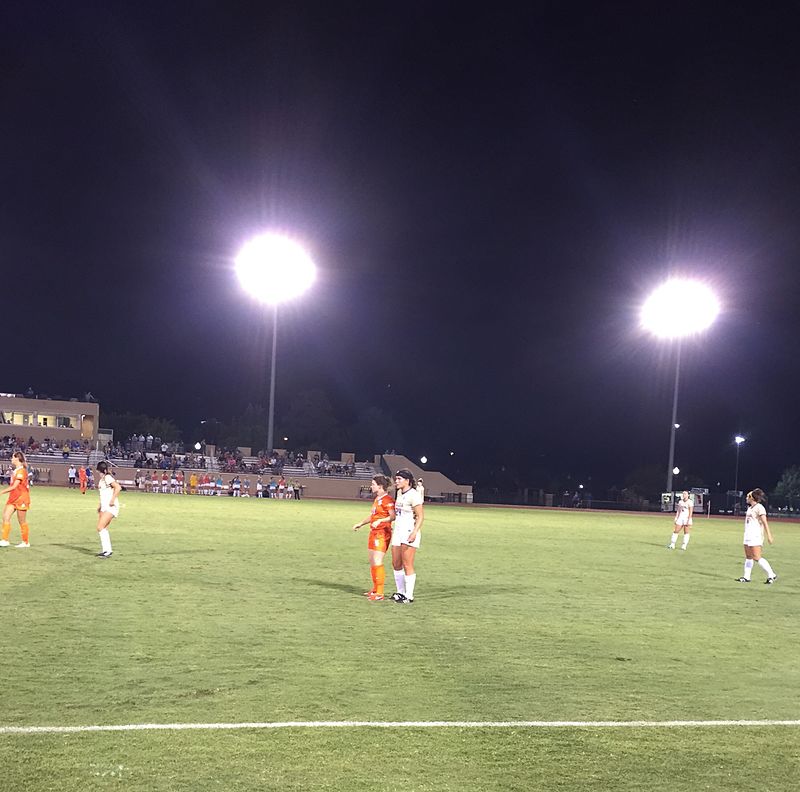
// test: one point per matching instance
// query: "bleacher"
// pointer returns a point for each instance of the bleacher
(364, 472)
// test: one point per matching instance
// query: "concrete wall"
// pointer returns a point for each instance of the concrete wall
(323, 487)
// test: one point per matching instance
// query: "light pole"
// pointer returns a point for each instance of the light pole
(274, 269)
(677, 309)
(738, 440)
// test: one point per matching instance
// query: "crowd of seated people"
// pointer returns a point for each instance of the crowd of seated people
(324, 467)
(11, 443)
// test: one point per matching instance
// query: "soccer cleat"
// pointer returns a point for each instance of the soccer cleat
(398, 597)
(104, 554)
(770, 580)
(23, 544)
(670, 547)
(742, 580)
(373, 596)
(406, 601)
(4, 543)
(368, 593)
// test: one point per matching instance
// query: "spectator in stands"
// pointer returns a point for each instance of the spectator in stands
(260, 487)
(380, 534)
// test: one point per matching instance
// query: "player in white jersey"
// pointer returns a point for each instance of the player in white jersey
(684, 509)
(108, 509)
(406, 535)
(755, 528)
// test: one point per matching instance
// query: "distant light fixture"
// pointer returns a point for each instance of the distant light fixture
(580, 486)
(424, 460)
(452, 452)
(738, 439)
(285, 439)
(197, 446)
(677, 426)
(675, 471)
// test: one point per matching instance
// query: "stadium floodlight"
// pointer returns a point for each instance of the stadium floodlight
(676, 470)
(424, 460)
(273, 269)
(680, 308)
(738, 440)
(197, 446)
(677, 309)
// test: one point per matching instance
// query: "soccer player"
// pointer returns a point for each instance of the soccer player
(108, 509)
(380, 534)
(19, 500)
(406, 535)
(683, 521)
(755, 527)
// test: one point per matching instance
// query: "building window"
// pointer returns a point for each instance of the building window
(67, 422)
(22, 419)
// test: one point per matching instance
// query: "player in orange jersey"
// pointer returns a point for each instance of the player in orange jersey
(19, 500)
(82, 480)
(380, 534)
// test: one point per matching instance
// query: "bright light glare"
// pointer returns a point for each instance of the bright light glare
(675, 471)
(424, 460)
(738, 439)
(680, 308)
(197, 446)
(274, 268)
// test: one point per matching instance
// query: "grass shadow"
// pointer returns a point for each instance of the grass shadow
(76, 548)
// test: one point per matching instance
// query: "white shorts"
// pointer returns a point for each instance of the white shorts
(754, 537)
(683, 521)
(400, 537)
(112, 510)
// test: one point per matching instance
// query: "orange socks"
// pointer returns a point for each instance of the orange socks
(378, 578)
(24, 531)
(6, 531)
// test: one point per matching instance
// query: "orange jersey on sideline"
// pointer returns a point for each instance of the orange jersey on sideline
(21, 496)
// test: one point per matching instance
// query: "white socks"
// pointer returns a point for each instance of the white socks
(748, 568)
(764, 564)
(105, 540)
(673, 540)
(400, 581)
(686, 538)
(410, 581)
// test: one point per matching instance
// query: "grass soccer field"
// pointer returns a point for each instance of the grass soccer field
(222, 611)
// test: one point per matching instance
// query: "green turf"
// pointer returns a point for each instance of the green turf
(217, 610)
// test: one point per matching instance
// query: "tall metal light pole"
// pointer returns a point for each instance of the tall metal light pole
(675, 425)
(677, 309)
(738, 440)
(274, 269)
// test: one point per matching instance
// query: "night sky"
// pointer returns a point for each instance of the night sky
(489, 196)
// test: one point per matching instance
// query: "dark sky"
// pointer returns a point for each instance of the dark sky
(489, 196)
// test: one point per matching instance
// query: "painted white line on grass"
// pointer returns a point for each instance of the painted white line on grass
(392, 725)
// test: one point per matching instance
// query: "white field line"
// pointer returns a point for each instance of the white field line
(668, 724)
